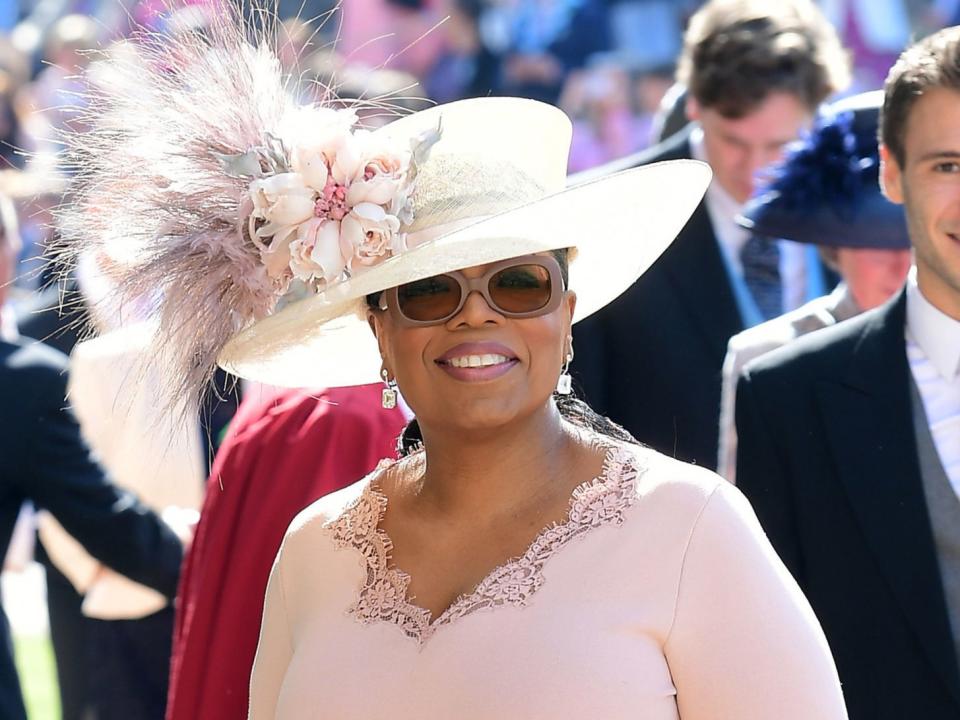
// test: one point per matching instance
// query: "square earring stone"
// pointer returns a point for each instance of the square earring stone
(388, 399)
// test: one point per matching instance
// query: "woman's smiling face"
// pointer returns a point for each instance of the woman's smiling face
(479, 369)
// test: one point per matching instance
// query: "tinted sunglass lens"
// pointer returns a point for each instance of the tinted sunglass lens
(521, 288)
(432, 298)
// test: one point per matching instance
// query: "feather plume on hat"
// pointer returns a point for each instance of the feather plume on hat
(165, 190)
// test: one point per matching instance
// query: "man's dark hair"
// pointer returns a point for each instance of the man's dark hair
(737, 52)
(934, 62)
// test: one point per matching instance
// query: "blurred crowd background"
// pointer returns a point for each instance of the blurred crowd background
(608, 63)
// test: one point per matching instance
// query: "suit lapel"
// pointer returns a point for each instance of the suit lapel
(870, 428)
(699, 276)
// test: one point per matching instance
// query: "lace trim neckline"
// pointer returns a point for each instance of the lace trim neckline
(383, 597)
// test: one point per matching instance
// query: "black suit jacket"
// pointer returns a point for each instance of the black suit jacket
(652, 359)
(827, 455)
(44, 459)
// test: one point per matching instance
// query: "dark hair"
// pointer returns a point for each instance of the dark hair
(737, 52)
(934, 62)
(572, 409)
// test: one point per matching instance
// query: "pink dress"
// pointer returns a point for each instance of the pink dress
(658, 598)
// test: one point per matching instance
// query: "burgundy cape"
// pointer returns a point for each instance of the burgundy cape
(279, 456)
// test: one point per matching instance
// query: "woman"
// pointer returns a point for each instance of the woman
(529, 560)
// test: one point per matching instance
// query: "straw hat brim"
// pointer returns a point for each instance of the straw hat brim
(619, 224)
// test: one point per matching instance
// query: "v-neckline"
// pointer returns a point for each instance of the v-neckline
(384, 594)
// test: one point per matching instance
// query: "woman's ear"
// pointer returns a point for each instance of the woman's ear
(571, 300)
(375, 321)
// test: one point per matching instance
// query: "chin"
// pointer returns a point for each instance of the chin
(482, 416)
(483, 419)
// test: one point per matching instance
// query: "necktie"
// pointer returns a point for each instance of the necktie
(760, 258)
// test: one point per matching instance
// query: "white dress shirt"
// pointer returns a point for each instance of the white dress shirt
(933, 350)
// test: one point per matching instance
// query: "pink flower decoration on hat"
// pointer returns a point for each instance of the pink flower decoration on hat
(333, 205)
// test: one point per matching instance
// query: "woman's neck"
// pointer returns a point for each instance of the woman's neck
(499, 470)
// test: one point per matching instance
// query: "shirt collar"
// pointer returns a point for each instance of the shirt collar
(936, 333)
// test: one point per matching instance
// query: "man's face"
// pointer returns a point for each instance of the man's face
(928, 186)
(738, 149)
(873, 275)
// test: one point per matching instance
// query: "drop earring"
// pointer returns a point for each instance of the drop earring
(388, 399)
(565, 382)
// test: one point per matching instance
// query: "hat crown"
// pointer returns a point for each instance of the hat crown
(493, 155)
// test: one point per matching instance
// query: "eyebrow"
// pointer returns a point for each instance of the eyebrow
(939, 155)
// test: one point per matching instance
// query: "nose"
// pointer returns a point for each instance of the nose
(476, 312)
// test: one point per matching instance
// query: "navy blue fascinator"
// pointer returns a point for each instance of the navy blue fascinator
(826, 191)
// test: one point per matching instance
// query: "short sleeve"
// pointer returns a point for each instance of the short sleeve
(745, 644)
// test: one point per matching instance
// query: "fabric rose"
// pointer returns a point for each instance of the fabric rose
(368, 234)
(346, 163)
(337, 197)
(311, 163)
(380, 173)
(319, 135)
(315, 252)
(283, 201)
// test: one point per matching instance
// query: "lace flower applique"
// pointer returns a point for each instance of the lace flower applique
(383, 597)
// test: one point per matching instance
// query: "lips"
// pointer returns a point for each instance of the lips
(475, 362)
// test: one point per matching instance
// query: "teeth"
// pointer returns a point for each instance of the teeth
(477, 360)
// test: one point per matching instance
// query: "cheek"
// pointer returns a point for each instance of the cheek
(405, 349)
(870, 273)
(895, 269)
(546, 342)
(933, 202)
(729, 157)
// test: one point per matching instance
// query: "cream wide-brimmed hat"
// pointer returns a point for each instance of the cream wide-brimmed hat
(254, 227)
(493, 188)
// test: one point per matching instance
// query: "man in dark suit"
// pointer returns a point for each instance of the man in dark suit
(651, 360)
(850, 438)
(44, 459)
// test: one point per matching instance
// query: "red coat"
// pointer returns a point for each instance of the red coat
(279, 456)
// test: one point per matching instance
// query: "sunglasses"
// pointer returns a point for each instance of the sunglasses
(522, 287)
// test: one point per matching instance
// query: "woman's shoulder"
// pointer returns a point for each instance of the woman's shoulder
(660, 479)
(354, 504)
(326, 511)
(658, 472)
(676, 501)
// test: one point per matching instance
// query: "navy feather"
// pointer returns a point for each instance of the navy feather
(830, 167)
